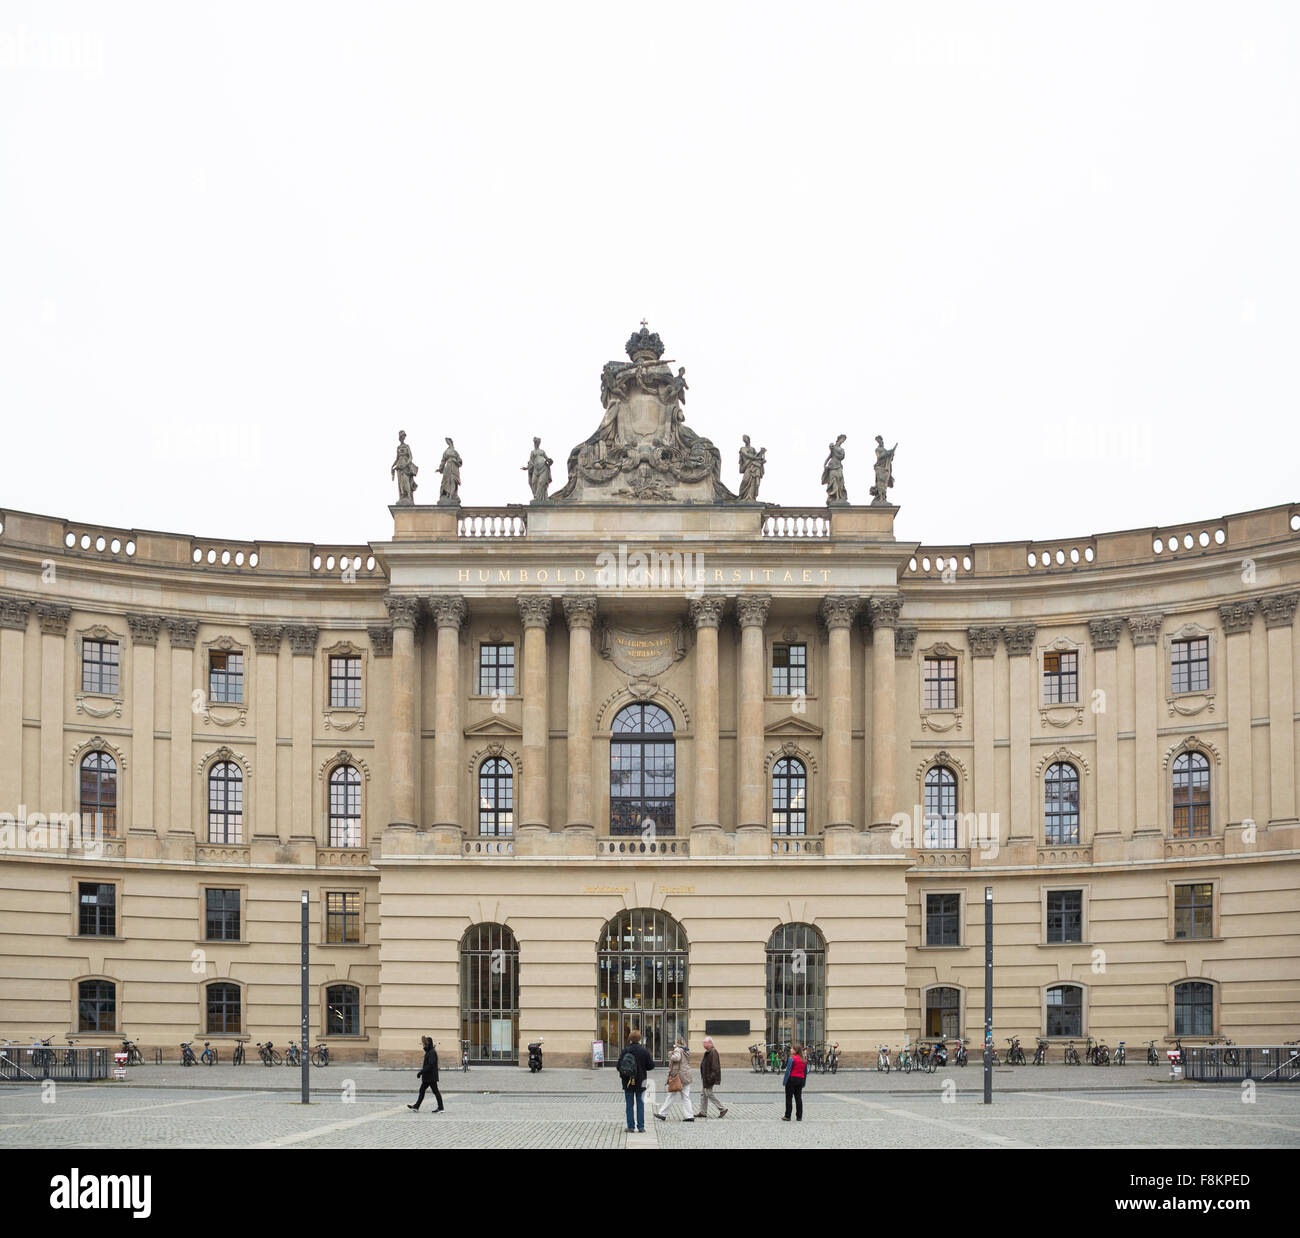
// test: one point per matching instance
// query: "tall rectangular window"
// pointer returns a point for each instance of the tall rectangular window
(1190, 668)
(225, 677)
(943, 919)
(1194, 910)
(96, 909)
(1064, 915)
(940, 687)
(221, 917)
(99, 667)
(496, 670)
(342, 917)
(789, 670)
(1060, 677)
(345, 682)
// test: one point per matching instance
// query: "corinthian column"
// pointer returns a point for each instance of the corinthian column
(580, 612)
(1279, 616)
(751, 613)
(1020, 646)
(1145, 630)
(449, 612)
(1105, 633)
(883, 613)
(405, 614)
(1237, 619)
(837, 613)
(706, 614)
(535, 614)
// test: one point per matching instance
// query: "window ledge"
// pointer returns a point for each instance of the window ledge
(93, 937)
(958, 946)
(204, 942)
(340, 945)
(1181, 941)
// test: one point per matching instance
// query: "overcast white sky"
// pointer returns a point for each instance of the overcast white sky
(1052, 250)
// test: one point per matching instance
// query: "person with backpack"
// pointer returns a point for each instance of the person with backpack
(796, 1075)
(710, 1077)
(679, 1082)
(634, 1064)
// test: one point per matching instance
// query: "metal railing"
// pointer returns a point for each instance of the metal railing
(31, 1064)
(1233, 1063)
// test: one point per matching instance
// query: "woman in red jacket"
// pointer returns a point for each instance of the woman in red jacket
(796, 1074)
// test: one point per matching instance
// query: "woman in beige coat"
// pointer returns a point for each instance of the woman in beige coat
(679, 1068)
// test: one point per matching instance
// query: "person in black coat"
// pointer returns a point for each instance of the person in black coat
(428, 1074)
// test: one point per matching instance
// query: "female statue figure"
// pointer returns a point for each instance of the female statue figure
(538, 469)
(884, 472)
(752, 465)
(404, 470)
(833, 473)
(450, 470)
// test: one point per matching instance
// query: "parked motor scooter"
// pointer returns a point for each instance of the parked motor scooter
(535, 1055)
(940, 1052)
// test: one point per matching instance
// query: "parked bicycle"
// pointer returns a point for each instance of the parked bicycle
(882, 1058)
(904, 1060)
(464, 1055)
(268, 1054)
(187, 1054)
(293, 1055)
(961, 1056)
(1015, 1054)
(1040, 1051)
(133, 1055)
(833, 1058)
(1101, 1054)
(757, 1060)
(70, 1054)
(1153, 1058)
(237, 1058)
(1119, 1059)
(320, 1055)
(1071, 1055)
(42, 1054)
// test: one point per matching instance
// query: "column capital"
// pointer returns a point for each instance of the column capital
(14, 613)
(182, 632)
(403, 610)
(1145, 629)
(905, 640)
(1104, 632)
(706, 612)
(1020, 638)
(1237, 616)
(883, 610)
(983, 641)
(53, 618)
(580, 612)
(449, 610)
(1279, 609)
(752, 608)
(266, 636)
(838, 610)
(302, 637)
(144, 628)
(535, 610)
(381, 639)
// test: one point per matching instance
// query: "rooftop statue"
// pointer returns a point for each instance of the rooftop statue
(752, 465)
(538, 469)
(404, 470)
(884, 472)
(449, 495)
(643, 450)
(833, 474)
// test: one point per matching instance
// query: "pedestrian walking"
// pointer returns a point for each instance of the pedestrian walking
(679, 1082)
(710, 1077)
(796, 1075)
(428, 1074)
(634, 1064)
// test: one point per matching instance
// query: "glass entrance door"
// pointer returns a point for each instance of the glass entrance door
(641, 982)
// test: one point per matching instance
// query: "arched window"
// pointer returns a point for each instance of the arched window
(489, 993)
(940, 807)
(99, 792)
(642, 771)
(342, 1010)
(1061, 804)
(943, 1013)
(1193, 1008)
(1191, 795)
(225, 803)
(496, 798)
(345, 806)
(96, 1006)
(796, 986)
(223, 1007)
(1064, 1010)
(789, 797)
(641, 981)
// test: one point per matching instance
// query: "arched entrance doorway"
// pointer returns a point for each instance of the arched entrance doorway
(489, 993)
(641, 965)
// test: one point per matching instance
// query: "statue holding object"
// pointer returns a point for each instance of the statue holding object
(404, 470)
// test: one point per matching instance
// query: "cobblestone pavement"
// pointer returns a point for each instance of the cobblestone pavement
(1179, 1116)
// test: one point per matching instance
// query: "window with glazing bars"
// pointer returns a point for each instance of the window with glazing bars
(1193, 1009)
(1064, 915)
(1191, 788)
(225, 677)
(1191, 665)
(1194, 910)
(1060, 677)
(96, 1006)
(345, 807)
(98, 799)
(496, 798)
(97, 910)
(943, 919)
(940, 825)
(1064, 1010)
(345, 682)
(1061, 804)
(789, 797)
(342, 1010)
(223, 1009)
(221, 915)
(940, 686)
(789, 670)
(225, 803)
(496, 670)
(99, 666)
(342, 917)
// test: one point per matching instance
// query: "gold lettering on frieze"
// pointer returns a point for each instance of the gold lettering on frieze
(676, 889)
(605, 889)
(578, 576)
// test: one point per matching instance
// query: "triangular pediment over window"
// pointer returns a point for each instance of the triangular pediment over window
(792, 725)
(494, 725)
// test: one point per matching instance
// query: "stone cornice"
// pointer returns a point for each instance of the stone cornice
(752, 609)
(182, 632)
(266, 637)
(144, 629)
(838, 610)
(1279, 609)
(706, 612)
(983, 641)
(449, 610)
(1104, 632)
(302, 638)
(1145, 629)
(1020, 639)
(53, 618)
(1237, 617)
(535, 610)
(381, 639)
(14, 613)
(580, 612)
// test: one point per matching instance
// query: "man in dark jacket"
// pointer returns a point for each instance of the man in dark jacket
(634, 1084)
(710, 1077)
(428, 1074)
